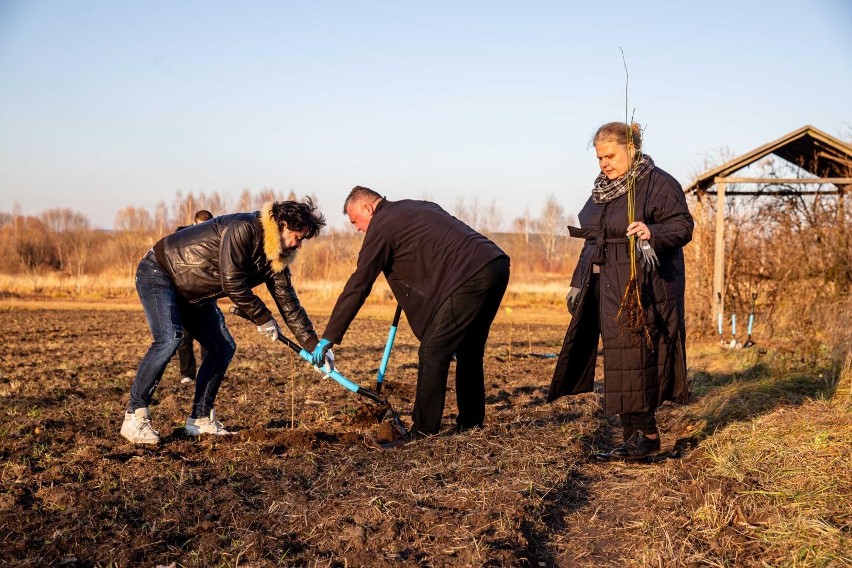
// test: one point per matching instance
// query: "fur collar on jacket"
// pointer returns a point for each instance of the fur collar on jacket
(272, 246)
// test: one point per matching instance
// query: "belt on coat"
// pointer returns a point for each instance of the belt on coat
(599, 250)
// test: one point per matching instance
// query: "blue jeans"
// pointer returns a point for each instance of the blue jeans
(167, 316)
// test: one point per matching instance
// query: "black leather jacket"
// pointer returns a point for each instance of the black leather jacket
(226, 256)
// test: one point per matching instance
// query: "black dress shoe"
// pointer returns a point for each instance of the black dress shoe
(636, 447)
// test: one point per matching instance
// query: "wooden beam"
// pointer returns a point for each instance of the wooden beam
(779, 192)
(717, 302)
(839, 159)
(783, 181)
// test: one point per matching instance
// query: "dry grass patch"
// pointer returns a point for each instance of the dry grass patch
(771, 481)
(774, 491)
(797, 464)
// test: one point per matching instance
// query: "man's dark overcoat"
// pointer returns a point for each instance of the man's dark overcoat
(636, 378)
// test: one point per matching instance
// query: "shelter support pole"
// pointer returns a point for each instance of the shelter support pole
(843, 227)
(718, 300)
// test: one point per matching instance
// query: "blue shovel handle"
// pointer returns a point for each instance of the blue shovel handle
(304, 354)
(380, 376)
(751, 315)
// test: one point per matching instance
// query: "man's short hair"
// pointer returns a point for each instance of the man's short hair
(359, 192)
(298, 217)
(203, 215)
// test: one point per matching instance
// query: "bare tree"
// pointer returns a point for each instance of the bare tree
(550, 226)
(72, 239)
(185, 208)
(32, 245)
(61, 223)
(134, 233)
(162, 223)
(523, 226)
(265, 195)
(245, 201)
(492, 219)
(466, 213)
(219, 204)
(55, 222)
(485, 219)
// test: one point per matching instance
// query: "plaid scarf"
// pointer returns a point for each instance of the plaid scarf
(606, 190)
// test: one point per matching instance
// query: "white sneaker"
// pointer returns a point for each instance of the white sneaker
(187, 380)
(137, 427)
(205, 425)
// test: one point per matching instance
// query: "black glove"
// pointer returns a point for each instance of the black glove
(571, 299)
(647, 256)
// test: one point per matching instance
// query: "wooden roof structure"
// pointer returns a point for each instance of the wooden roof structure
(824, 159)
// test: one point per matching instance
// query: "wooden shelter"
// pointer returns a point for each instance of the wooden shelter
(822, 160)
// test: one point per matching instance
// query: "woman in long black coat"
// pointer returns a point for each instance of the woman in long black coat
(638, 376)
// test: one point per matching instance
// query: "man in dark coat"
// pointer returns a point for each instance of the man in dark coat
(449, 281)
(179, 281)
(638, 376)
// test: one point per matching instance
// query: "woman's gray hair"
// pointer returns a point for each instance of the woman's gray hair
(619, 133)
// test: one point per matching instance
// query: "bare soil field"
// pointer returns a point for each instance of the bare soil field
(304, 480)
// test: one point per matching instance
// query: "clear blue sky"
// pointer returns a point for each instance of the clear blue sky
(105, 103)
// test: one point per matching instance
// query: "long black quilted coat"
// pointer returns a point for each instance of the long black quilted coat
(636, 378)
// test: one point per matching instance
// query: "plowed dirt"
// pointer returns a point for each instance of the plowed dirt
(304, 479)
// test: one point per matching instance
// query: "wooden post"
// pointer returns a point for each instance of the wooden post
(843, 228)
(718, 300)
(701, 250)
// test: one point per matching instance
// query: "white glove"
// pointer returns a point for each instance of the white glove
(329, 362)
(270, 329)
(648, 256)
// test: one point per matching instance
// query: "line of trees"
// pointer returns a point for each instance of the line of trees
(61, 241)
(793, 253)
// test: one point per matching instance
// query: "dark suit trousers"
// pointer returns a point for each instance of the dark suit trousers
(460, 327)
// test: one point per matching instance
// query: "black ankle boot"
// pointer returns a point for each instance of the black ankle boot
(637, 446)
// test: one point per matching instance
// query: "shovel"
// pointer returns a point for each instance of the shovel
(734, 344)
(719, 318)
(335, 374)
(380, 376)
(749, 342)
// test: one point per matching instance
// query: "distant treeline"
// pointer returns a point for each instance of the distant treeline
(790, 256)
(60, 241)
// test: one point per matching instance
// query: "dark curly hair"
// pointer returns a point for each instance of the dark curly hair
(298, 216)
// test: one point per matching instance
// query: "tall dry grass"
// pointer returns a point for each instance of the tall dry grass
(769, 483)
